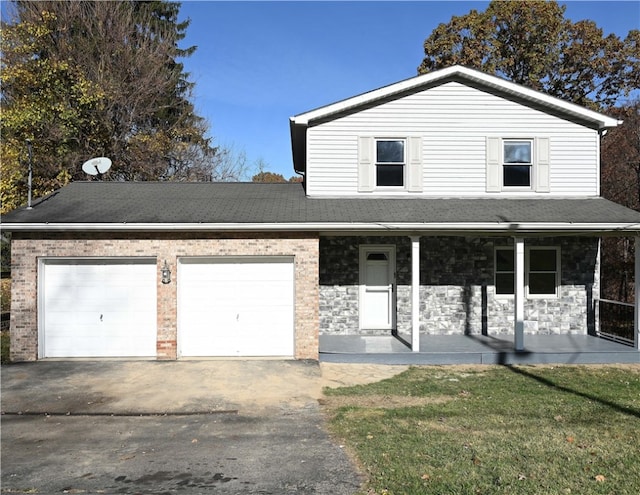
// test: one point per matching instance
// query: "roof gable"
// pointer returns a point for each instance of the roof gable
(463, 74)
(471, 77)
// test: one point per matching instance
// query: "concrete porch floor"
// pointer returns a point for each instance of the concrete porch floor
(475, 349)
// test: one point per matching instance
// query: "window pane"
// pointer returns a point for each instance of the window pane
(517, 152)
(504, 260)
(377, 257)
(390, 151)
(516, 175)
(542, 260)
(390, 175)
(504, 283)
(542, 283)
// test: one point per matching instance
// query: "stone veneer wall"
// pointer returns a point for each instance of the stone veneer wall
(457, 293)
(27, 248)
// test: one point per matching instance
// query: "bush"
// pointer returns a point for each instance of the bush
(4, 347)
(5, 295)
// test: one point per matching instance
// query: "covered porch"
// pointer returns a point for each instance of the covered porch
(539, 348)
(472, 281)
(475, 349)
(482, 327)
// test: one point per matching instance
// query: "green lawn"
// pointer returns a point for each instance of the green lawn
(495, 430)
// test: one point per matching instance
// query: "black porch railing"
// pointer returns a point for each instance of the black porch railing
(616, 320)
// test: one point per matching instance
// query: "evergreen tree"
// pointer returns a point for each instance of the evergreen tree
(83, 79)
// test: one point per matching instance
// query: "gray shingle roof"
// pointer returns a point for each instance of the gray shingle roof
(217, 204)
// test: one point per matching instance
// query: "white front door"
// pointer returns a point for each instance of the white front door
(377, 283)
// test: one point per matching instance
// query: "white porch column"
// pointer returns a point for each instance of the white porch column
(636, 313)
(518, 296)
(415, 293)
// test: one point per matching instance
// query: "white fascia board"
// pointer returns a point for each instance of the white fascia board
(496, 227)
(601, 120)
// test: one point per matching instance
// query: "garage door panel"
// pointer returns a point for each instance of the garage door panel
(63, 299)
(251, 347)
(236, 308)
(61, 318)
(280, 314)
(99, 308)
(258, 293)
(126, 301)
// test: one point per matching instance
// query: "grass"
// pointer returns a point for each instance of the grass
(495, 430)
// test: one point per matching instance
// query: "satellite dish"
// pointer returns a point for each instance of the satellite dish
(96, 166)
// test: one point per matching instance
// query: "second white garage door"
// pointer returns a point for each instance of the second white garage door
(235, 307)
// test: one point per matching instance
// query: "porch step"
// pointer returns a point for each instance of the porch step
(467, 349)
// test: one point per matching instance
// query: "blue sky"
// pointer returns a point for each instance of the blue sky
(259, 63)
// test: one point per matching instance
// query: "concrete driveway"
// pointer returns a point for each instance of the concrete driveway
(188, 427)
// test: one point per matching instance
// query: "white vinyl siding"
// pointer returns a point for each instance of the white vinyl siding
(453, 122)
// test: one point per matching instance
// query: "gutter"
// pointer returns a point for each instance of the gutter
(508, 228)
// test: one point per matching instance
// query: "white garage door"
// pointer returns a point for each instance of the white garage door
(235, 307)
(98, 308)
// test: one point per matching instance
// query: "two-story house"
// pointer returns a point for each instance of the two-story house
(452, 203)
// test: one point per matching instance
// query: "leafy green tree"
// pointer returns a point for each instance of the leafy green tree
(531, 43)
(44, 100)
(83, 79)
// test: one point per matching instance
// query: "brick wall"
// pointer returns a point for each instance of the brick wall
(26, 249)
(457, 293)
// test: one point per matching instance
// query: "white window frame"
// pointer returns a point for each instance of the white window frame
(540, 176)
(404, 164)
(527, 262)
(531, 164)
